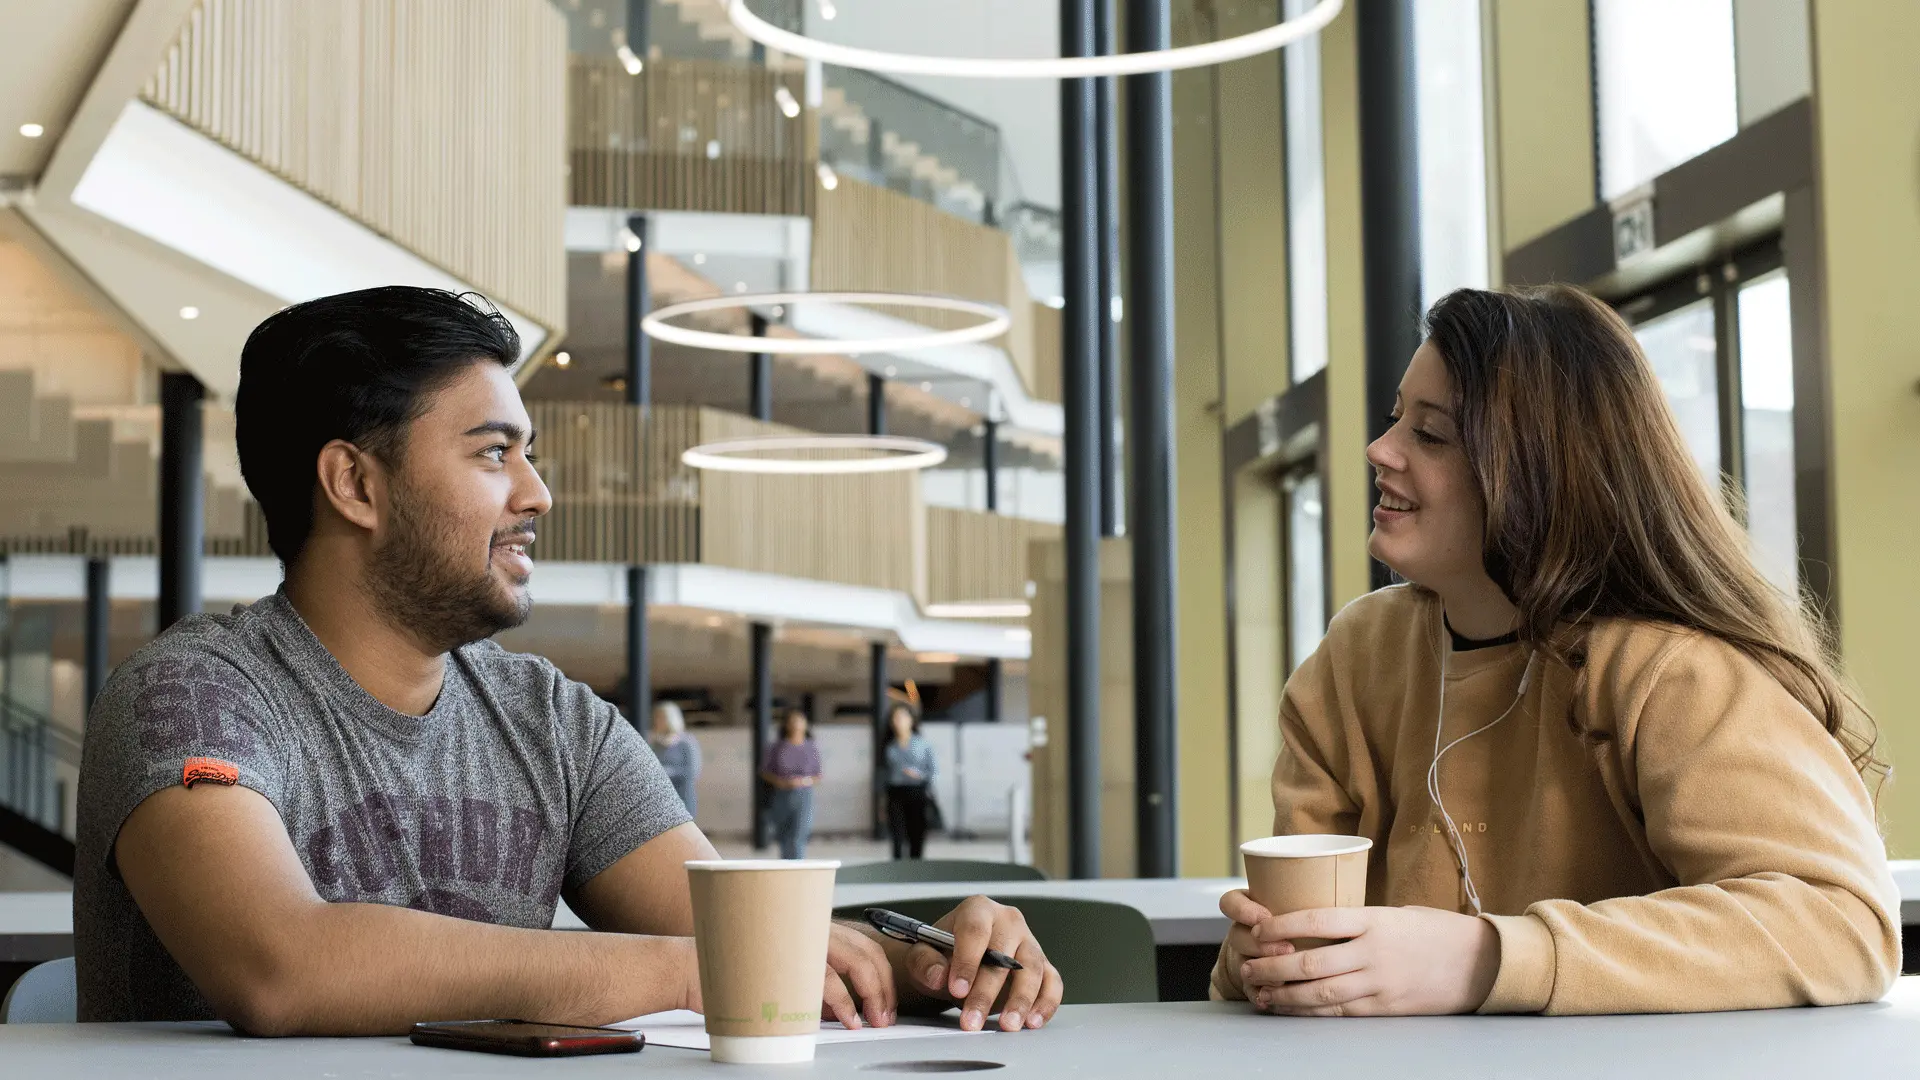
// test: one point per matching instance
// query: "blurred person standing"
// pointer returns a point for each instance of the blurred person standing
(678, 752)
(910, 771)
(791, 768)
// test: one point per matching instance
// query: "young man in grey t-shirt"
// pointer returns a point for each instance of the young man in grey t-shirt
(345, 809)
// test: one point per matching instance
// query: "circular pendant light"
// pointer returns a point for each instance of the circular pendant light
(979, 609)
(1063, 67)
(892, 453)
(994, 322)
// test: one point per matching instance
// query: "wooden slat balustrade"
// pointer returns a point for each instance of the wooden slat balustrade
(440, 125)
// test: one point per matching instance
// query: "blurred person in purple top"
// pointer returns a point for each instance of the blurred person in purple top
(791, 768)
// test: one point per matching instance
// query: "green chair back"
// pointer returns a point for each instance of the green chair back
(915, 870)
(1104, 951)
(46, 994)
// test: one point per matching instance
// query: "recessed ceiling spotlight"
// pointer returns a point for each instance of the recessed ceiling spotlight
(892, 371)
(789, 105)
(828, 11)
(739, 286)
(32, 131)
(630, 239)
(189, 312)
(562, 358)
(629, 59)
(713, 149)
(828, 178)
(699, 260)
(926, 388)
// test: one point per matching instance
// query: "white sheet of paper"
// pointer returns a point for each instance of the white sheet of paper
(688, 1030)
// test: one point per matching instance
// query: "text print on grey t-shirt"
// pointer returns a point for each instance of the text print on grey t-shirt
(516, 784)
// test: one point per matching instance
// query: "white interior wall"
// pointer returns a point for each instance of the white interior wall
(1027, 111)
(1773, 61)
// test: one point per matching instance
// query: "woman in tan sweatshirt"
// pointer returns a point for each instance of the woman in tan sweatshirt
(1652, 788)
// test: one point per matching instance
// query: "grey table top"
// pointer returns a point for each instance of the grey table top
(1106, 1041)
(1183, 911)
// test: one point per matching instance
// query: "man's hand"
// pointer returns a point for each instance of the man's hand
(857, 967)
(1027, 1000)
(1385, 961)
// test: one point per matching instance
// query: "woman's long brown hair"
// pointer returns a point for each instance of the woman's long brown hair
(1595, 507)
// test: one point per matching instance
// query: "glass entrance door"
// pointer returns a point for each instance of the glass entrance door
(1305, 537)
(1721, 343)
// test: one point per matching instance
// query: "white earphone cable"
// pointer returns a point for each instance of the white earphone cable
(1454, 840)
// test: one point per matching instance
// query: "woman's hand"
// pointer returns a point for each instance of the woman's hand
(1027, 999)
(913, 774)
(1385, 961)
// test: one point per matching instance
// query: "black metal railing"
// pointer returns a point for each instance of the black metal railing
(32, 749)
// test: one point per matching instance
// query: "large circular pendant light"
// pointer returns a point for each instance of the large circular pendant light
(994, 321)
(1063, 67)
(891, 453)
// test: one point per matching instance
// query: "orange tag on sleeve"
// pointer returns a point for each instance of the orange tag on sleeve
(205, 768)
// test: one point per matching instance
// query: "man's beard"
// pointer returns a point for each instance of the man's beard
(423, 584)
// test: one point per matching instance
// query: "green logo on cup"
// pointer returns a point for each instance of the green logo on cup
(769, 1011)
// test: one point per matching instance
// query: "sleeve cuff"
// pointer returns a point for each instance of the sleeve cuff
(1525, 982)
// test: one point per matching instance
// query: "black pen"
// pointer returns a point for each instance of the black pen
(914, 932)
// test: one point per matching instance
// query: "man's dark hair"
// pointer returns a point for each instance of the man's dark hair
(358, 366)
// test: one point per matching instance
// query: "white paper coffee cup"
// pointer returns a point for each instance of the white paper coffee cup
(1308, 870)
(760, 929)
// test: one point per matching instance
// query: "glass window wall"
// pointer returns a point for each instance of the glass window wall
(1306, 567)
(1680, 346)
(1664, 75)
(1452, 147)
(1766, 421)
(1306, 203)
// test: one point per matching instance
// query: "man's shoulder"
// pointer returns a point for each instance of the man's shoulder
(528, 679)
(221, 650)
(495, 664)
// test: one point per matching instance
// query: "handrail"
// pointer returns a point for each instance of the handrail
(17, 717)
(30, 744)
(36, 841)
(943, 106)
(962, 150)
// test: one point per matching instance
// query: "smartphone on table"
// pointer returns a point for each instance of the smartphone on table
(527, 1039)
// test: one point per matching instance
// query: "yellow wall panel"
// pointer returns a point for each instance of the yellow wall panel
(1867, 107)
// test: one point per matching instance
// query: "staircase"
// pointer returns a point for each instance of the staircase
(872, 128)
(703, 23)
(86, 480)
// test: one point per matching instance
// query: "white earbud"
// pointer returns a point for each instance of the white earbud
(1433, 771)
